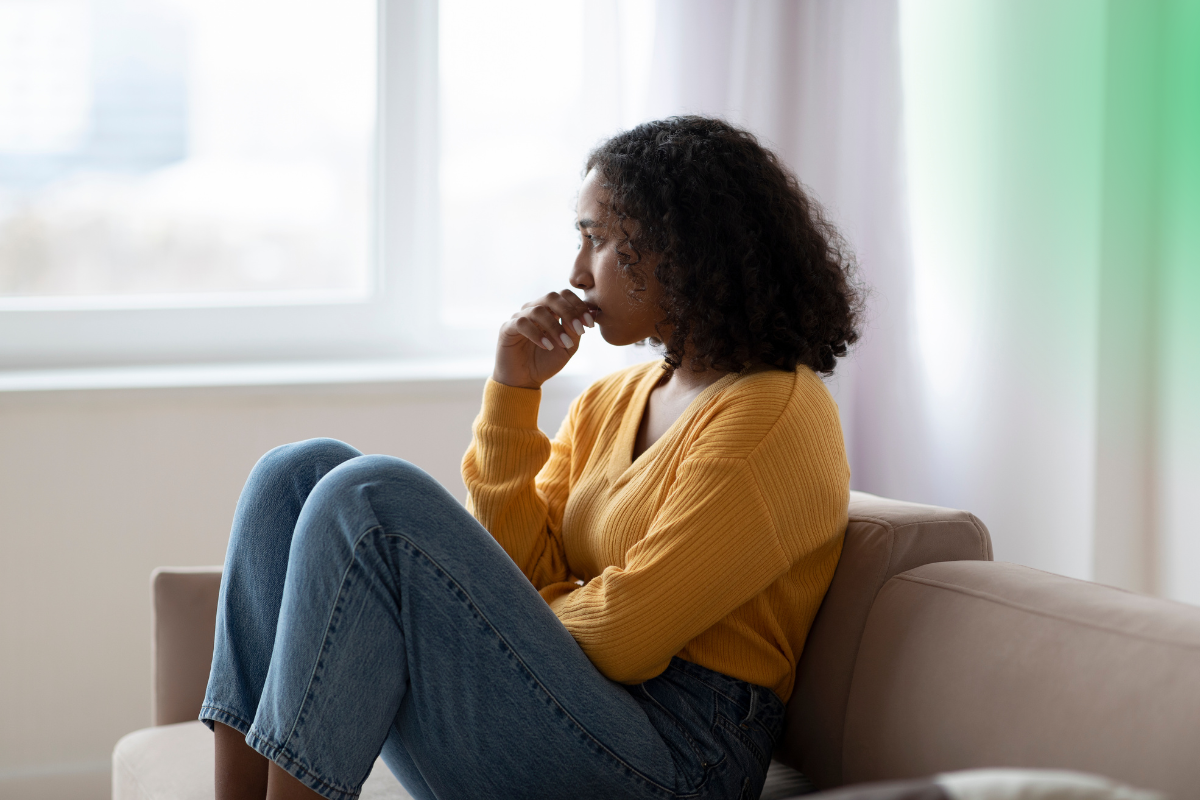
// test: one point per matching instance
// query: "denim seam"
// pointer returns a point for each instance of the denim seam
(294, 764)
(333, 613)
(224, 716)
(714, 689)
(758, 707)
(734, 729)
(512, 650)
(700, 673)
(706, 765)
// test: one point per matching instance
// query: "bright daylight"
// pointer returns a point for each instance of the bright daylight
(599, 399)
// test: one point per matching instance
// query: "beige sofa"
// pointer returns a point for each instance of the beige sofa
(925, 657)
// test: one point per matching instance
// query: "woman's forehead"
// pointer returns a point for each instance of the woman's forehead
(593, 203)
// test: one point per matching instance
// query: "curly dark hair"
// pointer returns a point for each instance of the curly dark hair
(751, 271)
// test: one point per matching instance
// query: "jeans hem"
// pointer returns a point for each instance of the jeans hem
(287, 761)
(210, 714)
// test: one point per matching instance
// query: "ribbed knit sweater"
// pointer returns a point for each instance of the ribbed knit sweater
(715, 545)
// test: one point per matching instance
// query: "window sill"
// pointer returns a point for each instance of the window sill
(409, 375)
(232, 375)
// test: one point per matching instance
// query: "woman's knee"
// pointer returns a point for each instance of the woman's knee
(388, 473)
(309, 451)
(384, 488)
(308, 460)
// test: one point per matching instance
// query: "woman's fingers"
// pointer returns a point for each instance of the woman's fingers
(561, 319)
(548, 320)
(531, 331)
(551, 323)
(579, 310)
(573, 308)
(539, 325)
(566, 306)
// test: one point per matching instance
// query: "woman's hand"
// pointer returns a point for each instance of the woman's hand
(540, 339)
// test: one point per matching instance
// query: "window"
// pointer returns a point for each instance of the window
(526, 90)
(185, 146)
(224, 180)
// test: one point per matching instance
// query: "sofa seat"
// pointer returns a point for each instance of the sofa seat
(175, 762)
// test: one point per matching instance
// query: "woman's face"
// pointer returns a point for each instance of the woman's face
(623, 314)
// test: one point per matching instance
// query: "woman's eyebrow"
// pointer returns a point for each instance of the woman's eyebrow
(586, 223)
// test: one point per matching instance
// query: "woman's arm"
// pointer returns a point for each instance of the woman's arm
(711, 548)
(517, 480)
(728, 528)
(522, 511)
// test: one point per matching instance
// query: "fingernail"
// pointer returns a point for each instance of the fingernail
(566, 340)
(587, 319)
(578, 326)
(546, 343)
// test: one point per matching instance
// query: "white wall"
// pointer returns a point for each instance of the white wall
(99, 487)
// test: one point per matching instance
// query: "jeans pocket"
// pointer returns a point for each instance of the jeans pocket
(745, 739)
(684, 730)
(754, 727)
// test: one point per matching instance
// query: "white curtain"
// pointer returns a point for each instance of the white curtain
(819, 83)
(1006, 362)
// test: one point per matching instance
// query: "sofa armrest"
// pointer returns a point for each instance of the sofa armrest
(184, 615)
(884, 538)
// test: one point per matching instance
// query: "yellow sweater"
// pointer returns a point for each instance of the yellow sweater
(716, 544)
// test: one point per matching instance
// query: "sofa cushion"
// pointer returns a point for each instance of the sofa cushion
(969, 664)
(992, 784)
(175, 762)
(1035, 784)
(884, 538)
(921, 789)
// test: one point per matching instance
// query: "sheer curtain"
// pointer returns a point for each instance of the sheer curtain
(1019, 184)
(820, 83)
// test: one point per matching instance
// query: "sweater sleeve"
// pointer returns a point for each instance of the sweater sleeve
(517, 480)
(711, 548)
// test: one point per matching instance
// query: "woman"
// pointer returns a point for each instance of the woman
(620, 611)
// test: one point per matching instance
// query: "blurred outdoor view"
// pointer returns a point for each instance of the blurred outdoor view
(526, 89)
(185, 146)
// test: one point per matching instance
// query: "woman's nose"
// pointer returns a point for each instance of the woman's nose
(580, 277)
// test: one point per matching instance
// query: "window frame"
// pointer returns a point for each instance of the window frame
(396, 319)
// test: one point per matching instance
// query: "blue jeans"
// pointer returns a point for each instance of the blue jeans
(364, 611)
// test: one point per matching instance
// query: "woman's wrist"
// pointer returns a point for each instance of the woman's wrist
(500, 376)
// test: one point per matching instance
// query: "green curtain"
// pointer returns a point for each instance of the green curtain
(1053, 167)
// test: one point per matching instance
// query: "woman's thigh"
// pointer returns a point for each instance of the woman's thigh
(412, 626)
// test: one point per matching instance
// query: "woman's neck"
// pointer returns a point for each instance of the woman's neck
(685, 380)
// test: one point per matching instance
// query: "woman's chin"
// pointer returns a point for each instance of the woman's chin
(614, 337)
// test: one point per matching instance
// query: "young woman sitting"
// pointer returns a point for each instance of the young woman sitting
(618, 612)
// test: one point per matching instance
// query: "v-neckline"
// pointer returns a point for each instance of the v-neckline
(622, 464)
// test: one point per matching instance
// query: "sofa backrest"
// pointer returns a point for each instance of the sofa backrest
(884, 538)
(968, 665)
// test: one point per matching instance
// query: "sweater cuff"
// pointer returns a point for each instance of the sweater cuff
(510, 406)
(555, 594)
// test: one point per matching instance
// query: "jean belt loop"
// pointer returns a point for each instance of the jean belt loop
(754, 704)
